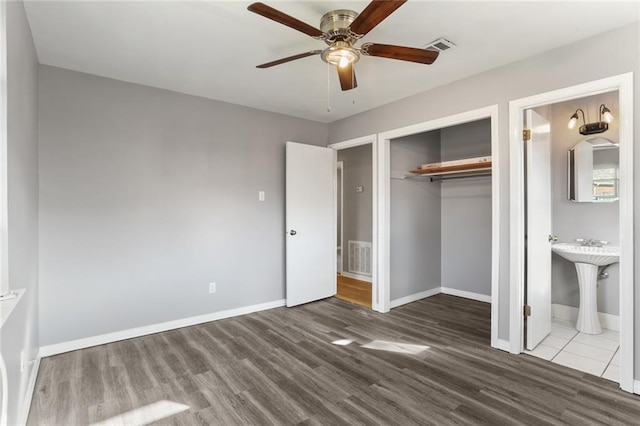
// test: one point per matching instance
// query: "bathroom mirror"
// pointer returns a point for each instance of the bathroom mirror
(593, 166)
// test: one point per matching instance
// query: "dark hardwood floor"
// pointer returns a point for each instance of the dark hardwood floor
(426, 363)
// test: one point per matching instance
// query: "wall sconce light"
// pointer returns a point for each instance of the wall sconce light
(602, 125)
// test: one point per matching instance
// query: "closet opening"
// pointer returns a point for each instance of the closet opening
(441, 213)
(439, 223)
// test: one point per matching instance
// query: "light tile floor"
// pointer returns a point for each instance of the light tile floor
(593, 354)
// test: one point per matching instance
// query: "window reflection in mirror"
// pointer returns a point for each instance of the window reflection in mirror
(593, 171)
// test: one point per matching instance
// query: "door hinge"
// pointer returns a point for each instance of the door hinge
(526, 135)
(527, 310)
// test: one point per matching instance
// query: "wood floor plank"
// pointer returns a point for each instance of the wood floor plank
(354, 291)
(285, 366)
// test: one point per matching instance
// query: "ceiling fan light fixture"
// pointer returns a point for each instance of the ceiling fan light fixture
(340, 54)
(341, 29)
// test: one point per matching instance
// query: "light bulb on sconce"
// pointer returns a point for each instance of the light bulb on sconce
(574, 119)
(605, 113)
(601, 126)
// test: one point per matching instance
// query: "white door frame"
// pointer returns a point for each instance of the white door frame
(364, 140)
(340, 167)
(384, 205)
(624, 85)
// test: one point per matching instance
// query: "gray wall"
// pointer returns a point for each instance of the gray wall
(358, 206)
(466, 212)
(147, 195)
(581, 220)
(20, 333)
(415, 217)
(555, 69)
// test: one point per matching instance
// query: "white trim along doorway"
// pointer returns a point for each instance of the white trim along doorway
(624, 85)
(365, 140)
(383, 293)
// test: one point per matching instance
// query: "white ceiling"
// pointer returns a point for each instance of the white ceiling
(210, 48)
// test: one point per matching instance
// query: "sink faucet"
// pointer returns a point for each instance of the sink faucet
(591, 242)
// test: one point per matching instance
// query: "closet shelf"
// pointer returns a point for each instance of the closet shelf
(456, 171)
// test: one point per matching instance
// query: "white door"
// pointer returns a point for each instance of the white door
(538, 228)
(310, 222)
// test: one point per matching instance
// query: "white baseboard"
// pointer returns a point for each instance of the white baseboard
(636, 387)
(569, 313)
(31, 388)
(102, 339)
(466, 294)
(503, 345)
(414, 297)
(356, 276)
(444, 290)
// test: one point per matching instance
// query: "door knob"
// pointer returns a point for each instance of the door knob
(553, 238)
(292, 232)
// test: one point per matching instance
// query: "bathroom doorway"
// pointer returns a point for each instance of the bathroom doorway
(355, 193)
(574, 201)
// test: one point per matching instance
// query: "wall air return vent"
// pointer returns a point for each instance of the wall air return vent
(439, 45)
(360, 257)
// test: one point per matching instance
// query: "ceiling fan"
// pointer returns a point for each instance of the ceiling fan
(340, 30)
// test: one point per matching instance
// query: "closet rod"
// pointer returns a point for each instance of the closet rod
(433, 178)
(446, 177)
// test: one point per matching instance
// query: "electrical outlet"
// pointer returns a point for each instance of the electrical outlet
(260, 195)
(212, 287)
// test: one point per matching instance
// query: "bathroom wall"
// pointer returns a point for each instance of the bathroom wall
(466, 212)
(571, 220)
(415, 217)
(357, 209)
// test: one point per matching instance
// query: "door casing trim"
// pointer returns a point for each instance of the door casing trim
(622, 83)
(384, 205)
(365, 140)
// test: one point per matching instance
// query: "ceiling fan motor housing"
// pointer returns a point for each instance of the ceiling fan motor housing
(335, 25)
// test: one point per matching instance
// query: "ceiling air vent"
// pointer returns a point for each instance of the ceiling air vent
(439, 45)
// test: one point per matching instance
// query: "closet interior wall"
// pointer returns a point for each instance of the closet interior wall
(415, 217)
(440, 231)
(466, 212)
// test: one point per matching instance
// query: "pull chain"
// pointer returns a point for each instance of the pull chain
(328, 88)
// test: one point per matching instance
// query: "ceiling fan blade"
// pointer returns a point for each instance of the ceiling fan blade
(376, 12)
(347, 77)
(291, 22)
(411, 54)
(289, 59)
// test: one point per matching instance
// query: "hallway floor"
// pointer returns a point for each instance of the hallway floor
(593, 354)
(354, 291)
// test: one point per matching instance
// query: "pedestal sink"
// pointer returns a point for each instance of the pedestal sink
(587, 260)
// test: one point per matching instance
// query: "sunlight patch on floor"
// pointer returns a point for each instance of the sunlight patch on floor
(145, 415)
(342, 342)
(401, 348)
